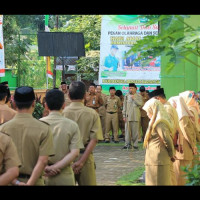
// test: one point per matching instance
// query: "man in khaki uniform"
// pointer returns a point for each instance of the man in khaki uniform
(120, 115)
(67, 141)
(64, 88)
(33, 138)
(89, 124)
(6, 113)
(102, 109)
(131, 115)
(112, 105)
(93, 99)
(144, 120)
(9, 160)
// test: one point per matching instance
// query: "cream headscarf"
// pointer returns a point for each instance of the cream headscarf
(159, 114)
(181, 107)
(192, 104)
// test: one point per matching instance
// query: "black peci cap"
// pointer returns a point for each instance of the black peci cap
(156, 92)
(24, 94)
(132, 85)
(3, 88)
(4, 83)
(142, 88)
(63, 82)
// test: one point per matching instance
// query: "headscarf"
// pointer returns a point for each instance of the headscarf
(159, 114)
(181, 107)
(189, 98)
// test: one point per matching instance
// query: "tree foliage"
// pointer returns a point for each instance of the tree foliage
(176, 39)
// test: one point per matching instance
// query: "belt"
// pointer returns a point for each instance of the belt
(111, 112)
(27, 176)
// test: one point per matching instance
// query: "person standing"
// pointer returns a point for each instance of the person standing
(33, 138)
(6, 113)
(102, 109)
(67, 141)
(89, 123)
(131, 115)
(92, 99)
(112, 104)
(64, 88)
(144, 118)
(159, 145)
(9, 160)
(176, 133)
(189, 138)
(120, 115)
(8, 98)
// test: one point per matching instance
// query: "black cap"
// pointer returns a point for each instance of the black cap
(4, 83)
(132, 85)
(24, 94)
(112, 88)
(157, 92)
(63, 82)
(118, 93)
(142, 88)
(3, 88)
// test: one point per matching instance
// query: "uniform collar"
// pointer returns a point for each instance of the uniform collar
(55, 113)
(75, 104)
(23, 115)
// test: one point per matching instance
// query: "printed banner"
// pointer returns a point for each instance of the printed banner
(2, 59)
(118, 34)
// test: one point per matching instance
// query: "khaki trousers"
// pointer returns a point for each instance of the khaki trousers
(144, 125)
(180, 174)
(131, 131)
(157, 175)
(103, 125)
(87, 175)
(112, 122)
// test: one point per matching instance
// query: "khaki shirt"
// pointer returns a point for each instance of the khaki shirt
(32, 138)
(112, 104)
(67, 99)
(102, 109)
(93, 100)
(86, 118)
(143, 112)
(131, 107)
(160, 147)
(189, 139)
(8, 153)
(66, 135)
(6, 113)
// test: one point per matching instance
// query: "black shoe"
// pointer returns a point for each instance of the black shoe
(116, 141)
(107, 141)
(121, 136)
(135, 147)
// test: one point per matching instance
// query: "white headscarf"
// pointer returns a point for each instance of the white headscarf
(180, 105)
(159, 114)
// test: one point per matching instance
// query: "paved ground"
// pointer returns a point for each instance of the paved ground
(112, 162)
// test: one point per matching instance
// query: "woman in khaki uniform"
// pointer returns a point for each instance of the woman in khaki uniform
(189, 98)
(159, 145)
(189, 138)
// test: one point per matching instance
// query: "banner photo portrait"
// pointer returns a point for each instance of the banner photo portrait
(118, 34)
(2, 61)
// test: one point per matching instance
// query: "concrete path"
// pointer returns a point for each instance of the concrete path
(112, 162)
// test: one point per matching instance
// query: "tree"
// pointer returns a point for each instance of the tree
(176, 39)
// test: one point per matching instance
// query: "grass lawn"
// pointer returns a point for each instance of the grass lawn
(131, 179)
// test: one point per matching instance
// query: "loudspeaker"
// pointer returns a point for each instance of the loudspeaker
(61, 44)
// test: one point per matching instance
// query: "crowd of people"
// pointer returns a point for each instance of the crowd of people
(58, 148)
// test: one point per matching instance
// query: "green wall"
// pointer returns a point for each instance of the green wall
(185, 75)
